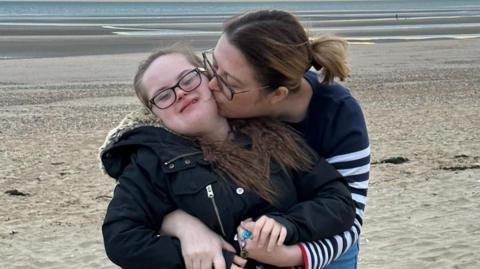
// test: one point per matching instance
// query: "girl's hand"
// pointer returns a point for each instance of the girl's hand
(201, 247)
(280, 255)
(238, 262)
(266, 233)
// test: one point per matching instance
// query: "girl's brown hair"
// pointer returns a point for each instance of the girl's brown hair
(280, 51)
(272, 141)
(248, 167)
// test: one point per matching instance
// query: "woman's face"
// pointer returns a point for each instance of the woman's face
(192, 112)
(233, 67)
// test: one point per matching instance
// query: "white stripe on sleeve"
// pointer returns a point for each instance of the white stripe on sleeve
(362, 185)
(316, 258)
(359, 198)
(348, 237)
(310, 256)
(355, 171)
(332, 251)
(350, 156)
(340, 246)
(360, 212)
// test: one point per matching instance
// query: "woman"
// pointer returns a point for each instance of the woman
(260, 67)
(182, 154)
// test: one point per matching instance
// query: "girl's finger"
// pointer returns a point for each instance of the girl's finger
(258, 228)
(248, 225)
(274, 237)
(239, 261)
(282, 237)
(265, 232)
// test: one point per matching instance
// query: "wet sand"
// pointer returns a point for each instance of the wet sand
(43, 36)
(421, 100)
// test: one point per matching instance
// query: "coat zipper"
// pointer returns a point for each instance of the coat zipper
(182, 156)
(211, 196)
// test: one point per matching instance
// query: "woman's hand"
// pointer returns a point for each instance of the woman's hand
(266, 232)
(201, 247)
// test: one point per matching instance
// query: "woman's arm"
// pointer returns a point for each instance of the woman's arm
(325, 209)
(325, 206)
(348, 151)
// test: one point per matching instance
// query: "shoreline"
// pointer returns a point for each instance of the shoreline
(46, 47)
(31, 47)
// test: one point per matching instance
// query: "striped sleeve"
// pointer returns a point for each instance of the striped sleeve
(355, 167)
(349, 152)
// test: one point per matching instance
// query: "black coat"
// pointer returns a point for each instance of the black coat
(158, 172)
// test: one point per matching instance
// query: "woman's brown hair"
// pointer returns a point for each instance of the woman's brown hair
(277, 46)
(248, 167)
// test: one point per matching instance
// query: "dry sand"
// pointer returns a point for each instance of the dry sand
(421, 100)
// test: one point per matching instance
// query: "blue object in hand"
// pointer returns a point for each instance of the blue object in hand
(246, 234)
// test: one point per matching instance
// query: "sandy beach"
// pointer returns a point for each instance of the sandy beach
(422, 104)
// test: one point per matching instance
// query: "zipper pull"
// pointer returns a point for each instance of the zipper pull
(210, 191)
(211, 196)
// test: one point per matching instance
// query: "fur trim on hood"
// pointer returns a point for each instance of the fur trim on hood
(139, 118)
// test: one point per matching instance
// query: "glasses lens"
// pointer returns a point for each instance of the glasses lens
(222, 84)
(207, 62)
(164, 99)
(190, 81)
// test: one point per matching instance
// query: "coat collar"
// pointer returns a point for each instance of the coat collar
(139, 118)
(140, 127)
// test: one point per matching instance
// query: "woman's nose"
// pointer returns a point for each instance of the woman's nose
(213, 84)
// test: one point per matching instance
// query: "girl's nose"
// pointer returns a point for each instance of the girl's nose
(180, 93)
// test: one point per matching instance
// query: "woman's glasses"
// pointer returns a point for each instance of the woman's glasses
(187, 83)
(226, 89)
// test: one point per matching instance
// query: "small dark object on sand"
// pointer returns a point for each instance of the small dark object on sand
(460, 168)
(16, 193)
(393, 160)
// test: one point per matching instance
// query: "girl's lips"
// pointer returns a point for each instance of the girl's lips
(187, 104)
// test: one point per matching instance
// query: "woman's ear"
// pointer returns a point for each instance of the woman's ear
(278, 95)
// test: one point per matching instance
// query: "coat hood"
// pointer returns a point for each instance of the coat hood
(140, 128)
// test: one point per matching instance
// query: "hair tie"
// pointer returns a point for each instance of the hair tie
(313, 62)
(316, 65)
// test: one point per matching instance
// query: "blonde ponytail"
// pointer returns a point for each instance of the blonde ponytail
(330, 53)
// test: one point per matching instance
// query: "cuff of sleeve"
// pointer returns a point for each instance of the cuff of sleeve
(228, 258)
(304, 255)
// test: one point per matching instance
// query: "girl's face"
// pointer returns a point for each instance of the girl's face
(191, 113)
(232, 66)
